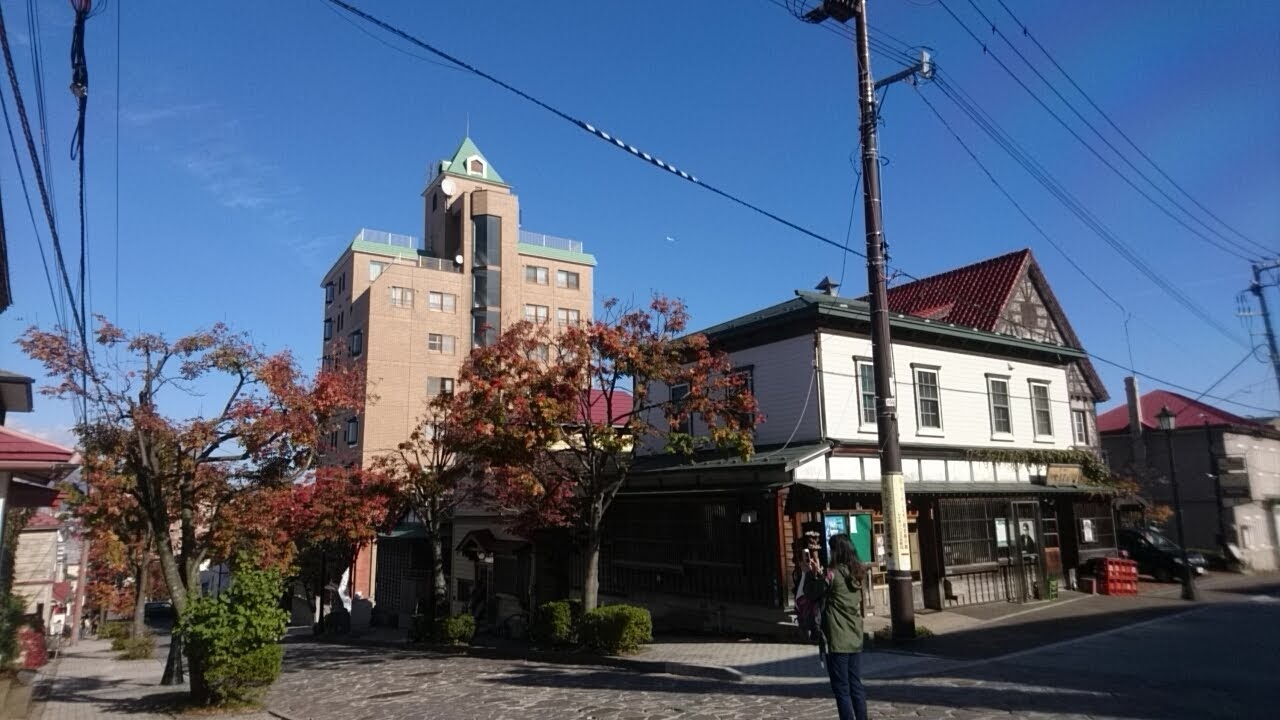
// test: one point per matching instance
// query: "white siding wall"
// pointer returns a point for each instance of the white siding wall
(781, 373)
(962, 378)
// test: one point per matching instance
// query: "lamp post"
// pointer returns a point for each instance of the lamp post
(1168, 423)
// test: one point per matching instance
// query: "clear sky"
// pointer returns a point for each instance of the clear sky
(255, 138)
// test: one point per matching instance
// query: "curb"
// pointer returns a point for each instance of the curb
(648, 667)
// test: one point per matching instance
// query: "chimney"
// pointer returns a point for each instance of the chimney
(1138, 448)
(827, 286)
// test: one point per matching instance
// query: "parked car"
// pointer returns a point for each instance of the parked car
(1157, 555)
(158, 610)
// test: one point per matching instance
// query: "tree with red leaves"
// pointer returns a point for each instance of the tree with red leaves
(431, 475)
(556, 433)
(189, 476)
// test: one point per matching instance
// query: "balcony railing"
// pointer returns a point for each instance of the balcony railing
(550, 241)
(381, 237)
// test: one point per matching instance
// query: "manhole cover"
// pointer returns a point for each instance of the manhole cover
(389, 695)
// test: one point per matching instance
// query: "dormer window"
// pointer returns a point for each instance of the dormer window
(475, 166)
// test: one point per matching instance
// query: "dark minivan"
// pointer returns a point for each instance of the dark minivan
(1157, 555)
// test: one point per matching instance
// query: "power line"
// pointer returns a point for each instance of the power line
(652, 160)
(119, 59)
(1027, 33)
(1071, 106)
(1111, 166)
(39, 175)
(1028, 163)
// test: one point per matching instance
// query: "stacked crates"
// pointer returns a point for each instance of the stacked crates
(1118, 576)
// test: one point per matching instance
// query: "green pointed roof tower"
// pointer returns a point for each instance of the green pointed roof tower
(469, 162)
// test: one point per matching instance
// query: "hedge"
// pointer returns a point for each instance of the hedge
(448, 630)
(616, 629)
(139, 648)
(553, 624)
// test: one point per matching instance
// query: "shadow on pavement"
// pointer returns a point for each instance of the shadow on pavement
(90, 692)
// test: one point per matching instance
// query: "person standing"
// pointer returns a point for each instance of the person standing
(839, 590)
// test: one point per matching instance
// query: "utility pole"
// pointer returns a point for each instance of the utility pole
(1257, 289)
(893, 496)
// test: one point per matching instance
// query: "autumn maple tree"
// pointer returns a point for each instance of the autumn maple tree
(432, 474)
(564, 414)
(189, 476)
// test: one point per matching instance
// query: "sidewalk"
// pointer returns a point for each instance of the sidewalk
(87, 681)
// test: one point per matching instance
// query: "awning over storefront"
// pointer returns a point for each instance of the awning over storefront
(860, 487)
(483, 542)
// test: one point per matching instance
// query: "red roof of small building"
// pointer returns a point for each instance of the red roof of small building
(61, 592)
(972, 296)
(1187, 413)
(43, 521)
(20, 447)
(622, 404)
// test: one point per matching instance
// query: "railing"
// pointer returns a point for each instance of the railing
(550, 241)
(381, 237)
(434, 263)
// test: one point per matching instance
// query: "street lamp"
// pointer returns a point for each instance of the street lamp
(1168, 423)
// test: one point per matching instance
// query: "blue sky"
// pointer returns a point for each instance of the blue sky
(257, 138)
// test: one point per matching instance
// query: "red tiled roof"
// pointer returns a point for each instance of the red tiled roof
(43, 521)
(973, 296)
(19, 447)
(61, 592)
(621, 406)
(1188, 413)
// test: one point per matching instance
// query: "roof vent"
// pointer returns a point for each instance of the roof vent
(827, 286)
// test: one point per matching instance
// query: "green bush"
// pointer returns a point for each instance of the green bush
(553, 624)
(115, 631)
(12, 612)
(616, 629)
(231, 640)
(139, 648)
(455, 629)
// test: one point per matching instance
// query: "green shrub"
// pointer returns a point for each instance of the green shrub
(12, 610)
(114, 630)
(455, 629)
(616, 629)
(232, 638)
(139, 648)
(553, 624)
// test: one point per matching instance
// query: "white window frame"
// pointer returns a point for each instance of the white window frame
(865, 369)
(1048, 398)
(475, 158)
(564, 274)
(541, 275)
(445, 344)
(439, 386)
(568, 316)
(328, 293)
(376, 268)
(540, 313)
(328, 329)
(1080, 427)
(401, 296)
(442, 302)
(352, 434)
(355, 343)
(997, 433)
(921, 428)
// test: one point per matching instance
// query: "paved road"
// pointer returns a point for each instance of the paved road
(1214, 661)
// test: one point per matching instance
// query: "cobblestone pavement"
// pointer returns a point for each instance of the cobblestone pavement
(87, 681)
(1169, 667)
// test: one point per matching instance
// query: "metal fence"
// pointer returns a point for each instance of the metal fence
(550, 241)
(382, 237)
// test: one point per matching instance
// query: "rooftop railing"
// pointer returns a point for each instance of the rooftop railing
(382, 237)
(550, 241)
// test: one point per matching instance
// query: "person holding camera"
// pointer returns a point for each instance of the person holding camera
(838, 590)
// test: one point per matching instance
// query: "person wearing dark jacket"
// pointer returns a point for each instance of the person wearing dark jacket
(840, 592)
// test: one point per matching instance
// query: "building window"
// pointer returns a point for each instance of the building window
(328, 293)
(566, 279)
(328, 328)
(566, 317)
(867, 392)
(535, 275)
(402, 297)
(342, 283)
(355, 343)
(998, 394)
(341, 315)
(1095, 525)
(678, 394)
(486, 240)
(1041, 410)
(353, 431)
(928, 400)
(333, 439)
(435, 201)
(442, 302)
(475, 166)
(441, 344)
(1080, 427)
(974, 531)
(484, 328)
(540, 352)
(486, 289)
(375, 269)
(536, 313)
(439, 386)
